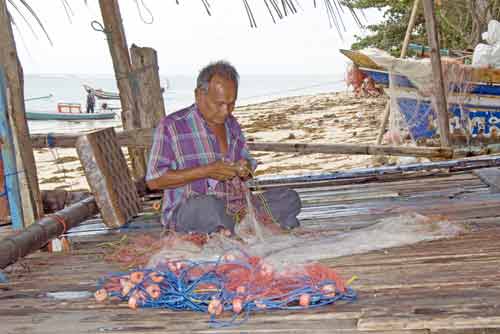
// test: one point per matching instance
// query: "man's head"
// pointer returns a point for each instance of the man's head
(216, 91)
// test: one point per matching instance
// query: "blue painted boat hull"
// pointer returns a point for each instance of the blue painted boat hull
(474, 116)
(382, 78)
(60, 116)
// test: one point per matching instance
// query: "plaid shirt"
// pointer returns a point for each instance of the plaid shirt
(184, 140)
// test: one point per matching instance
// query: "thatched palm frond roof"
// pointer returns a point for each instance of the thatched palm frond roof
(277, 9)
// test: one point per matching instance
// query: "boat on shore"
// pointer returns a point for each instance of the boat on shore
(101, 94)
(473, 98)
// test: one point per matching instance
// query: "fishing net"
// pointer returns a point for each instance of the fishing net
(236, 284)
(262, 268)
(413, 99)
(362, 85)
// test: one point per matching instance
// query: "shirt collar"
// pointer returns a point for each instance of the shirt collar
(231, 129)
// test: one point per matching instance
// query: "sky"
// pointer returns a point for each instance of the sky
(186, 38)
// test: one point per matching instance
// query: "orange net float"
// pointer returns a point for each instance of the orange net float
(234, 284)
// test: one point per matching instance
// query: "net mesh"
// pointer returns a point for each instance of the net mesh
(263, 268)
(413, 99)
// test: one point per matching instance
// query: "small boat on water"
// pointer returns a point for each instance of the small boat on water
(65, 116)
(104, 95)
(473, 96)
(101, 94)
(68, 112)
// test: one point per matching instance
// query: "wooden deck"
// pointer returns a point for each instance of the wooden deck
(445, 286)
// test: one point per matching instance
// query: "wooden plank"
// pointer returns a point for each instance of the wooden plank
(121, 62)
(490, 176)
(28, 181)
(9, 160)
(430, 286)
(439, 97)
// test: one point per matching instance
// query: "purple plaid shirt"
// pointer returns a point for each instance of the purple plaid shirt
(184, 140)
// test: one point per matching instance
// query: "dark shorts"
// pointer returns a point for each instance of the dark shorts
(207, 214)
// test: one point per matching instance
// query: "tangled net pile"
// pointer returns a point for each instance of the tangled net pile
(236, 284)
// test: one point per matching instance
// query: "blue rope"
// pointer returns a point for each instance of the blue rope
(183, 290)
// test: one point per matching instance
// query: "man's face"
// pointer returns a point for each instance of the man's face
(218, 103)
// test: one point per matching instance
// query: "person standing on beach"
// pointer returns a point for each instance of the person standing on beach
(200, 159)
(90, 101)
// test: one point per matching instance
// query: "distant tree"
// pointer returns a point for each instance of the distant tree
(460, 22)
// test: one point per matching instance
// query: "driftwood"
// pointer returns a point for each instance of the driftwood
(38, 234)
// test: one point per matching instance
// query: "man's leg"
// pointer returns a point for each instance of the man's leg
(202, 214)
(284, 205)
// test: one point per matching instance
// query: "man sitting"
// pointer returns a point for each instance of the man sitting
(200, 158)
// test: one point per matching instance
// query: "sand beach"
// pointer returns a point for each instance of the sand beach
(321, 118)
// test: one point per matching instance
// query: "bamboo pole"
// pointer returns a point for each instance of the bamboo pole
(28, 181)
(117, 43)
(355, 149)
(404, 49)
(49, 227)
(143, 138)
(437, 71)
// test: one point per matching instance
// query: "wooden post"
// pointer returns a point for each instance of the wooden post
(439, 87)
(117, 43)
(25, 161)
(11, 184)
(404, 49)
(146, 87)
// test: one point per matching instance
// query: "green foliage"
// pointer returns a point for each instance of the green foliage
(460, 23)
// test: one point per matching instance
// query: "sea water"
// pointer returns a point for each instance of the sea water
(67, 88)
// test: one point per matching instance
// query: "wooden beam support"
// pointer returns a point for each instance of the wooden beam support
(439, 96)
(147, 87)
(25, 161)
(404, 49)
(11, 183)
(147, 79)
(113, 28)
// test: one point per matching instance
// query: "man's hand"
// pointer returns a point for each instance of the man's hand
(222, 171)
(244, 169)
